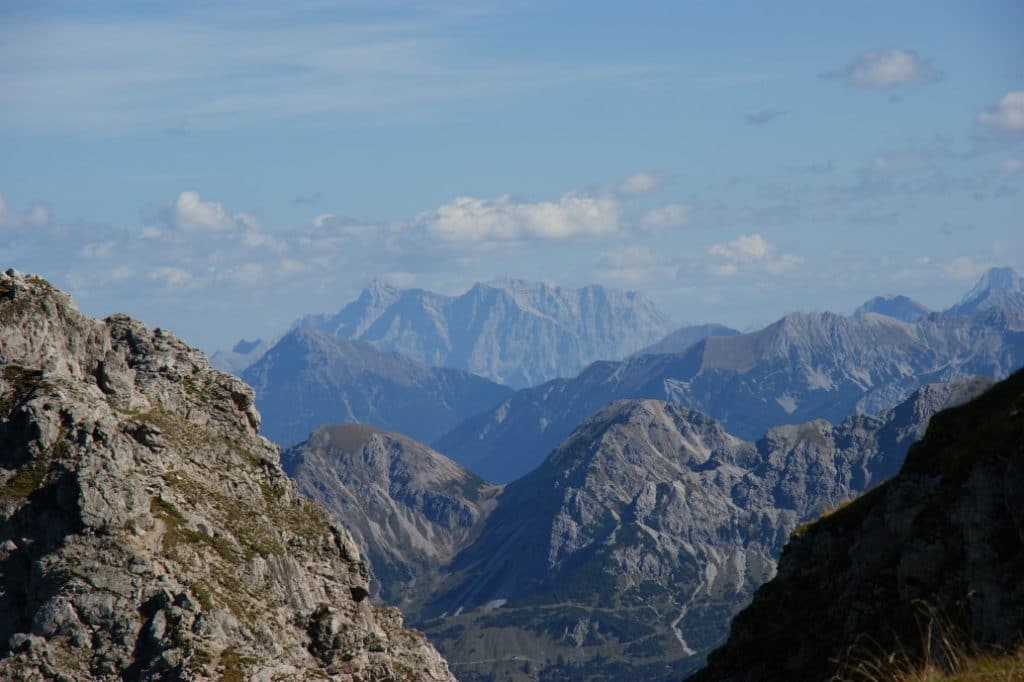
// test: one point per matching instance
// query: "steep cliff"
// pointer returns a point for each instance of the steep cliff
(146, 530)
(940, 545)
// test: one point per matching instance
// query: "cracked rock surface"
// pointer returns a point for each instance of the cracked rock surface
(147, 530)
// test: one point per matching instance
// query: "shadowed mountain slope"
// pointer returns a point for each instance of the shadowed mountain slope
(947, 533)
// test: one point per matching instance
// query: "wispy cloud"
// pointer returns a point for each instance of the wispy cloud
(757, 118)
(885, 69)
(1006, 115)
(198, 70)
(750, 251)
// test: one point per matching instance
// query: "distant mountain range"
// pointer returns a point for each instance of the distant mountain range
(309, 378)
(240, 357)
(513, 332)
(623, 556)
(926, 569)
(804, 366)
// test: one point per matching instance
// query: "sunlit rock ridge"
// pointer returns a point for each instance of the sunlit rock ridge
(148, 532)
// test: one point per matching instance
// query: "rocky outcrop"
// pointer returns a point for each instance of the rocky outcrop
(944, 539)
(408, 507)
(147, 531)
(805, 366)
(309, 378)
(511, 331)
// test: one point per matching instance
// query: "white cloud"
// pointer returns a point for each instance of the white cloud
(884, 69)
(189, 213)
(38, 215)
(638, 184)
(751, 250)
(170, 277)
(1013, 165)
(505, 219)
(97, 250)
(1007, 114)
(666, 217)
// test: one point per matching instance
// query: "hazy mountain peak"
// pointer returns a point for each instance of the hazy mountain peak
(513, 331)
(896, 306)
(1000, 288)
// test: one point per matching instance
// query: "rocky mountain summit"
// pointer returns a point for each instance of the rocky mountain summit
(937, 552)
(147, 531)
(409, 507)
(804, 366)
(999, 288)
(511, 331)
(624, 555)
(898, 307)
(309, 378)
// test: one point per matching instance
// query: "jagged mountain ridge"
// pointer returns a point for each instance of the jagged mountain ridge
(513, 332)
(590, 559)
(309, 378)
(642, 534)
(147, 531)
(804, 366)
(409, 507)
(941, 541)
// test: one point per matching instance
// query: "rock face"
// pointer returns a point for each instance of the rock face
(147, 531)
(803, 367)
(624, 555)
(947, 533)
(309, 378)
(898, 307)
(410, 508)
(513, 332)
(684, 337)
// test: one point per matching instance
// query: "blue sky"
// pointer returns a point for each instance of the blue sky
(219, 168)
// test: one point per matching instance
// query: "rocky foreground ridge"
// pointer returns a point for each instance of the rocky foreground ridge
(147, 531)
(939, 548)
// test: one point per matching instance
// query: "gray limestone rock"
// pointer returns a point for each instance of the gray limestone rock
(147, 531)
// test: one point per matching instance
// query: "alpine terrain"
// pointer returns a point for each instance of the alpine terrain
(511, 331)
(625, 553)
(927, 568)
(804, 366)
(148, 532)
(309, 378)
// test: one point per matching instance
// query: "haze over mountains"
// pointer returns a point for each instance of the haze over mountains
(625, 553)
(309, 378)
(804, 366)
(511, 331)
